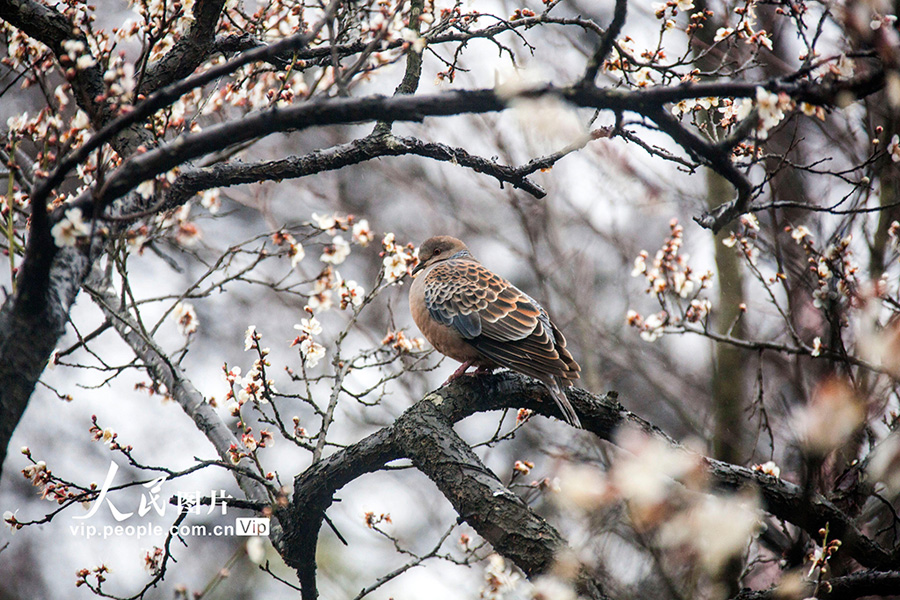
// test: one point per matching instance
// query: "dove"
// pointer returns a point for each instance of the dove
(478, 318)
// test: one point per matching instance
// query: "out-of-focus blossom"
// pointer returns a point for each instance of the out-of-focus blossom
(362, 233)
(250, 337)
(336, 252)
(800, 233)
(211, 200)
(817, 346)
(771, 107)
(70, 229)
(893, 148)
(653, 327)
(551, 587)
(833, 414)
(186, 318)
(714, 529)
(499, 580)
(884, 465)
(769, 468)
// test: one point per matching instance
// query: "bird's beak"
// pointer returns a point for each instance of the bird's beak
(418, 268)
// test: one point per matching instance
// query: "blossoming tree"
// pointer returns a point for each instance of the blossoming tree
(760, 452)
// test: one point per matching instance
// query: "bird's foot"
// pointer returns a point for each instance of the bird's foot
(484, 371)
(459, 372)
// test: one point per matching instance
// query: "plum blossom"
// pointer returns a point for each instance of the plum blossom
(362, 233)
(250, 337)
(336, 252)
(399, 341)
(643, 76)
(397, 259)
(800, 233)
(312, 352)
(330, 224)
(893, 148)
(394, 266)
(352, 294)
(297, 254)
(715, 529)
(186, 318)
(310, 326)
(769, 468)
(17, 123)
(211, 201)
(722, 33)
(735, 110)
(771, 107)
(9, 518)
(416, 42)
(69, 229)
(832, 415)
(640, 264)
(653, 327)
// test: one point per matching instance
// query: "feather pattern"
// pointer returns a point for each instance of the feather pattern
(467, 311)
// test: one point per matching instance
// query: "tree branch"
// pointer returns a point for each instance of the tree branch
(181, 389)
(193, 181)
(189, 51)
(424, 434)
(606, 43)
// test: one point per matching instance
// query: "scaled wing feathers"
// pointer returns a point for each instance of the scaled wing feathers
(499, 320)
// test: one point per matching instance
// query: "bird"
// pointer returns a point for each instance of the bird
(478, 318)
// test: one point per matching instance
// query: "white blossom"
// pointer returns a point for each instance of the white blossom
(771, 110)
(894, 148)
(722, 33)
(336, 252)
(653, 328)
(395, 266)
(248, 337)
(69, 229)
(817, 346)
(210, 200)
(769, 468)
(186, 318)
(17, 123)
(297, 254)
(643, 76)
(716, 528)
(640, 265)
(362, 233)
(352, 294)
(416, 42)
(800, 233)
(312, 352)
(310, 326)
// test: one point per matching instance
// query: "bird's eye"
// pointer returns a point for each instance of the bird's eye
(437, 251)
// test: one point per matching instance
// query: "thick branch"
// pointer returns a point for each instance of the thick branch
(29, 327)
(423, 433)
(848, 587)
(189, 51)
(337, 157)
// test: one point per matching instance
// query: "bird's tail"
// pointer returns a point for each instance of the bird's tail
(553, 385)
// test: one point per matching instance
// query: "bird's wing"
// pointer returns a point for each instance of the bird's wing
(499, 320)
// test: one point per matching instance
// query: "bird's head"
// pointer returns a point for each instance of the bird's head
(438, 248)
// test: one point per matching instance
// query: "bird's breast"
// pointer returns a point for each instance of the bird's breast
(444, 338)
